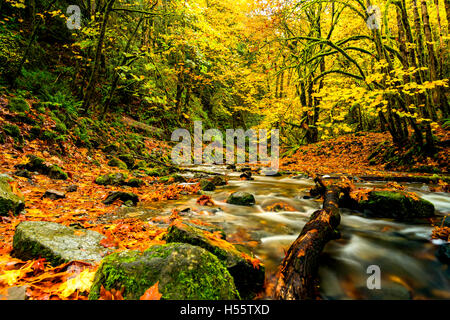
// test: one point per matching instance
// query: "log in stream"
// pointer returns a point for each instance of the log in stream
(298, 274)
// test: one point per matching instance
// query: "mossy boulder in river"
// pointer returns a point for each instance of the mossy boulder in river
(396, 205)
(248, 277)
(183, 272)
(56, 243)
(207, 185)
(241, 198)
(9, 201)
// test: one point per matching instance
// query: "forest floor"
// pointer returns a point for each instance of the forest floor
(84, 208)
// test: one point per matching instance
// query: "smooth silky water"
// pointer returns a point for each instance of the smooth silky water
(402, 250)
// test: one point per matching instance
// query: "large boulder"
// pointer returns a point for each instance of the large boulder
(56, 243)
(395, 205)
(183, 272)
(241, 198)
(248, 276)
(125, 197)
(207, 185)
(36, 164)
(9, 201)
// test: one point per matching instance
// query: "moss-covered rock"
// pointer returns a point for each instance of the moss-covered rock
(395, 205)
(12, 130)
(249, 278)
(18, 105)
(111, 179)
(122, 196)
(55, 172)
(156, 172)
(56, 243)
(128, 159)
(183, 272)
(207, 185)
(219, 181)
(111, 148)
(241, 198)
(114, 162)
(135, 182)
(9, 201)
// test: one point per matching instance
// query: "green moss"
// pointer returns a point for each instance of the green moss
(397, 205)
(49, 135)
(183, 272)
(55, 172)
(13, 131)
(128, 159)
(9, 201)
(114, 162)
(135, 182)
(111, 179)
(207, 185)
(18, 105)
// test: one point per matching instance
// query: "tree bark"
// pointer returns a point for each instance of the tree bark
(298, 274)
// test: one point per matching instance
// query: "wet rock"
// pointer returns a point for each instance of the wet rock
(123, 196)
(72, 188)
(36, 164)
(183, 272)
(128, 159)
(111, 179)
(241, 198)
(9, 201)
(114, 162)
(219, 180)
(231, 167)
(178, 178)
(270, 172)
(443, 253)
(56, 243)
(247, 175)
(245, 169)
(207, 185)
(395, 205)
(54, 194)
(55, 172)
(23, 173)
(388, 291)
(135, 183)
(200, 175)
(249, 279)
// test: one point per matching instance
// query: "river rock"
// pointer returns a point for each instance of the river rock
(56, 243)
(396, 205)
(123, 196)
(207, 185)
(241, 198)
(54, 194)
(249, 278)
(183, 272)
(219, 181)
(9, 201)
(443, 253)
(111, 179)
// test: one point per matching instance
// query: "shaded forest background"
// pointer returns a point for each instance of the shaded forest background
(314, 69)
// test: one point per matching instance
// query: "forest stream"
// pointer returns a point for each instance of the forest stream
(402, 250)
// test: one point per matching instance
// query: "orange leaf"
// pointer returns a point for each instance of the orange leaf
(152, 293)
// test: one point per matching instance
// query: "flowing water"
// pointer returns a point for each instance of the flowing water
(402, 250)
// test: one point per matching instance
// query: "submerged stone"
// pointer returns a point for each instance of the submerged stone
(241, 198)
(395, 205)
(183, 272)
(249, 278)
(9, 201)
(56, 243)
(207, 185)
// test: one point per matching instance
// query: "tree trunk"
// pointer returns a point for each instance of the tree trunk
(93, 77)
(298, 274)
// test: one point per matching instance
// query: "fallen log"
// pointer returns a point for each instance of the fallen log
(298, 274)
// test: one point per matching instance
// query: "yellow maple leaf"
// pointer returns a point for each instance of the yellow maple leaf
(82, 282)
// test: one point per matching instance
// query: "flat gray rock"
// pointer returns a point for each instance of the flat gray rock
(57, 243)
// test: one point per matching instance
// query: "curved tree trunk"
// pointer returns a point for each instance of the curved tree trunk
(298, 274)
